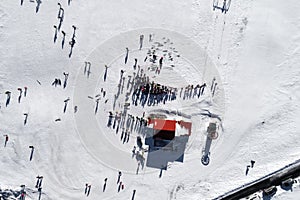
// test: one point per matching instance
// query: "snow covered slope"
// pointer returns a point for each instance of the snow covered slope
(253, 51)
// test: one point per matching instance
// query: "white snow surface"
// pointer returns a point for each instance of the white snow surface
(254, 48)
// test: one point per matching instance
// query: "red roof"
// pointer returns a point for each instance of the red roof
(161, 124)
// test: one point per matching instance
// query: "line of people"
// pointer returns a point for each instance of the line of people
(60, 17)
(120, 185)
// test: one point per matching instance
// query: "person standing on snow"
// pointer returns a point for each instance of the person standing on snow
(6, 140)
(55, 34)
(141, 41)
(119, 177)
(63, 40)
(126, 56)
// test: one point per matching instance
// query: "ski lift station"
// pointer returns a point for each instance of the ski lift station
(167, 139)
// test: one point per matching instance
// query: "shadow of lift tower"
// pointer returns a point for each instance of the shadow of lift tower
(212, 134)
